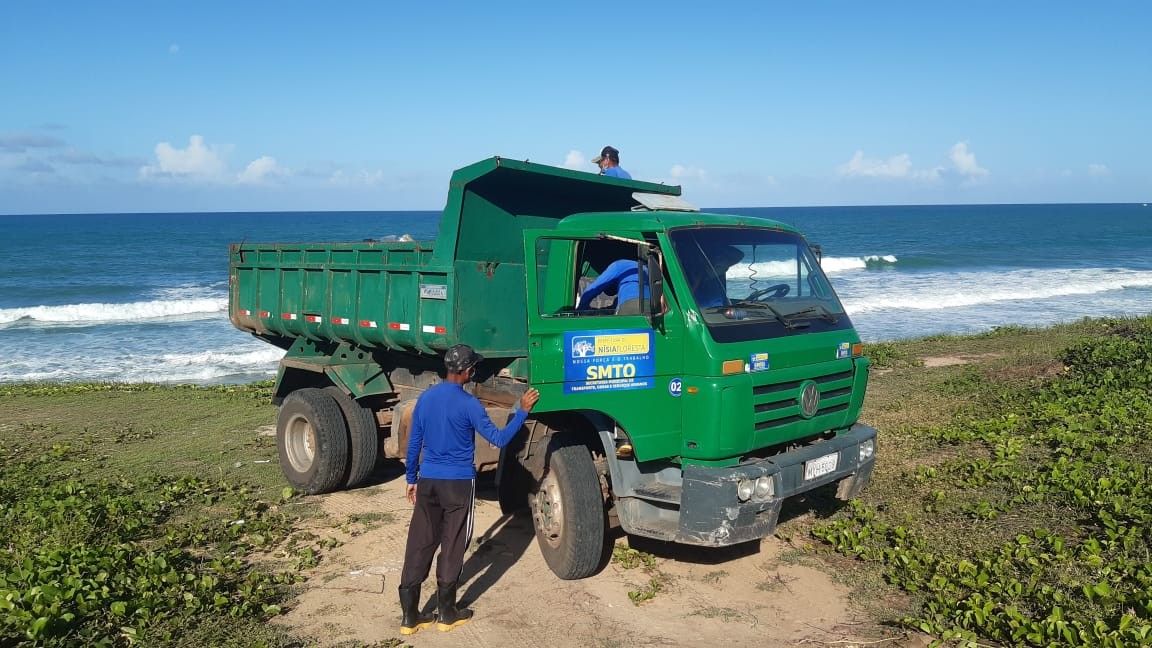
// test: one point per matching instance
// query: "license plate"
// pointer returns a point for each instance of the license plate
(821, 466)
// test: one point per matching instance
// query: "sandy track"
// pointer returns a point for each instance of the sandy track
(742, 596)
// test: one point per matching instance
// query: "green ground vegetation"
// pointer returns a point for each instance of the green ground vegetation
(1012, 503)
(144, 515)
(1013, 498)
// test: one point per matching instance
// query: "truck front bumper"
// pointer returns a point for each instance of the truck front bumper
(712, 514)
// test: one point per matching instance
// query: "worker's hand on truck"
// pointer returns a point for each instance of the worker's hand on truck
(528, 400)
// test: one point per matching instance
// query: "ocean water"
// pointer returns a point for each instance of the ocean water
(143, 297)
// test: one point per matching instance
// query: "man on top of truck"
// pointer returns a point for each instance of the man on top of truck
(442, 485)
(609, 163)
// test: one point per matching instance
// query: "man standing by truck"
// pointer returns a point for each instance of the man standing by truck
(442, 485)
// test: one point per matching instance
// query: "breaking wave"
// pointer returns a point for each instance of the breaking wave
(73, 314)
(940, 291)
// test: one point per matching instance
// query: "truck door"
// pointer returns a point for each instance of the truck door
(622, 359)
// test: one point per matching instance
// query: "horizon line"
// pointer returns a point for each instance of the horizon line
(437, 211)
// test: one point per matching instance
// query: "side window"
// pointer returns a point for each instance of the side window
(554, 277)
(611, 280)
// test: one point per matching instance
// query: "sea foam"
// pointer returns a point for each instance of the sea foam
(788, 268)
(942, 291)
(243, 363)
(72, 314)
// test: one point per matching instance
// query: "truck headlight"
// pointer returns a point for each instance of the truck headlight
(744, 489)
(763, 488)
(867, 448)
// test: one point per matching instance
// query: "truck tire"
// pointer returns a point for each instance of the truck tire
(568, 513)
(312, 441)
(363, 442)
(512, 487)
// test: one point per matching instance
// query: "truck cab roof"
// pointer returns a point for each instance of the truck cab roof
(662, 221)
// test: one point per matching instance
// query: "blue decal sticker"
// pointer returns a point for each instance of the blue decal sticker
(758, 362)
(844, 350)
(675, 386)
(608, 360)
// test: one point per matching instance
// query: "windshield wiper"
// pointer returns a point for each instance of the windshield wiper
(818, 308)
(780, 317)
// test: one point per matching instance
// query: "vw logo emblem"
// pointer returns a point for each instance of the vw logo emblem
(809, 400)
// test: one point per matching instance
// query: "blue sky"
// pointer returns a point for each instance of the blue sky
(213, 106)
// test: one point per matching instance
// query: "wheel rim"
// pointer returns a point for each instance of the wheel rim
(300, 443)
(549, 512)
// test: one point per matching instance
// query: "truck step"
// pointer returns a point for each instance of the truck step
(658, 491)
(657, 530)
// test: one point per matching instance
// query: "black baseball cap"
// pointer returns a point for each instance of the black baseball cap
(607, 152)
(461, 357)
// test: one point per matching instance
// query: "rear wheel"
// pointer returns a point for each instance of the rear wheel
(363, 442)
(312, 441)
(568, 513)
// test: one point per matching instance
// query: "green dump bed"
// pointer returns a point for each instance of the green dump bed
(423, 296)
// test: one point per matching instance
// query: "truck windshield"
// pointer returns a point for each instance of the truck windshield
(743, 277)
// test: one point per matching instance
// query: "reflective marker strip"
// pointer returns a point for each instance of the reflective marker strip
(265, 314)
(288, 316)
(339, 320)
(435, 329)
(398, 326)
(315, 319)
(245, 311)
(368, 324)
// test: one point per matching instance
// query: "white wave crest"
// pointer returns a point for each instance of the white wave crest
(766, 269)
(839, 264)
(135, 311)
(940, 291)
(241, 364)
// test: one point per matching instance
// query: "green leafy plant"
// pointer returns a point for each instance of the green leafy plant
(629, 558)
(122, 561)
(1035, 529)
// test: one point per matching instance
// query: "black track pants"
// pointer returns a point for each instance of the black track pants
(442, 518)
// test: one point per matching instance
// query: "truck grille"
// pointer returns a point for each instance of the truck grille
(778, 404)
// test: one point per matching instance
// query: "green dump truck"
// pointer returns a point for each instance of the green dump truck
(736, 382)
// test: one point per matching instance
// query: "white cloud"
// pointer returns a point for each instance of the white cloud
(259, 169)
(1098, 170)
(575, 160)
(359, 178)
(196, 161)
(897, 166)
(964, 161)
(681, 172)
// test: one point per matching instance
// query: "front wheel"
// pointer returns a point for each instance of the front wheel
(568, 513)
(312, 441)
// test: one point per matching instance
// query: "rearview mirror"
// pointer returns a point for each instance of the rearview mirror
(655, 285)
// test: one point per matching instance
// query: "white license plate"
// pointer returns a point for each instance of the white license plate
(821, 466)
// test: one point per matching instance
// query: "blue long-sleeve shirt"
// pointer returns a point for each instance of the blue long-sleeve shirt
(620, 273)
(442, 426)
(616, 172)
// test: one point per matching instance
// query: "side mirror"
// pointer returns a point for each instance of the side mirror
(655, 285)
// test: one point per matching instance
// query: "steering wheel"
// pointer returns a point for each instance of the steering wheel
(769, 293)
